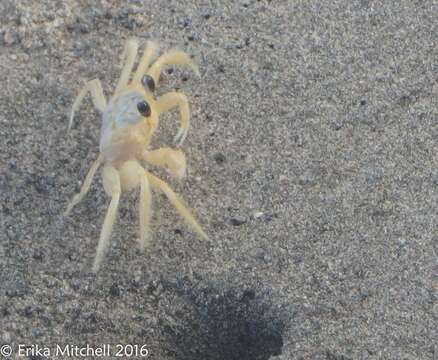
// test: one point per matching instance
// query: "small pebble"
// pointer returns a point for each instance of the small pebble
(28, 311)
(237, 221)
(219, 158)
(6, 337)
(10, 37)
(114, 290)
(257, 215)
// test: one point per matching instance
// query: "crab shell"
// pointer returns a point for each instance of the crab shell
(125, 133)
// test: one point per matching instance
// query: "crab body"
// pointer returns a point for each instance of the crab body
(125, 134)
(129, 121)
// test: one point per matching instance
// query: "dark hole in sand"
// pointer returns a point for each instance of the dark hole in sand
(213, 323)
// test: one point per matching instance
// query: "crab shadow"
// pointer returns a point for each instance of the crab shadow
(216, 323)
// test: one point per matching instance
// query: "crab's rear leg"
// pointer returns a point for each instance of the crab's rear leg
(85, 186)
(177, 203)
(145, 211)
(99, 101)
(172, 57)
(176, 99)
(111, 183)
(129, 55)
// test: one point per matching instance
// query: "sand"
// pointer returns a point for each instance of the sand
(312, 167)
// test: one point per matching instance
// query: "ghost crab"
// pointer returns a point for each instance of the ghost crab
(129, 120)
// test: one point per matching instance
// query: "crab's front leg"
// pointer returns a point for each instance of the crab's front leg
(172, 57)
(173, 160)
(146, 59)
(171, 100)
(129, 55)
(99, 101)
(111, 183)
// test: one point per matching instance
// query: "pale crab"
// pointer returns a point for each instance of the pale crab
(129, 120)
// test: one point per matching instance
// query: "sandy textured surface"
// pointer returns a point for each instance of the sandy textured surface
(312, 166)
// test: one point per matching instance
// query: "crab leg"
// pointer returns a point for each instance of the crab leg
(172, 57)
(145, 211)
(175, 99)
(177, 203)
(111, 183)
(146, 59)
(99, 101)
(174, 160)
(85, 186)
(129, 54)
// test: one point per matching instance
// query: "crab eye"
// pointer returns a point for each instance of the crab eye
(148, 82)
(144, 109)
